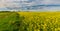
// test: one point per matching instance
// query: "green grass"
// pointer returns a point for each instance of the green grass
(7, 20)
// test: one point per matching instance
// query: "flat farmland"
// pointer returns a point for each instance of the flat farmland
(29, 21)
(40, 21)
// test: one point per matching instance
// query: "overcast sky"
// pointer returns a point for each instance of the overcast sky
(23, 3)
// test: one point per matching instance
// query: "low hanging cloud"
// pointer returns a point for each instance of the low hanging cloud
(17, 4)
(28, 2)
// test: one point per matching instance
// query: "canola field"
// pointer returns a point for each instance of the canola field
(40, 21)
(29, 21)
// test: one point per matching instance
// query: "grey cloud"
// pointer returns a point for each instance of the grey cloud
(28, 4)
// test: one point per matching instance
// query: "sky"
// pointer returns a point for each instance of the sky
(28, 4)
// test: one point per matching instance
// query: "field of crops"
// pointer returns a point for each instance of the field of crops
(29, 21)
(40, 21)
